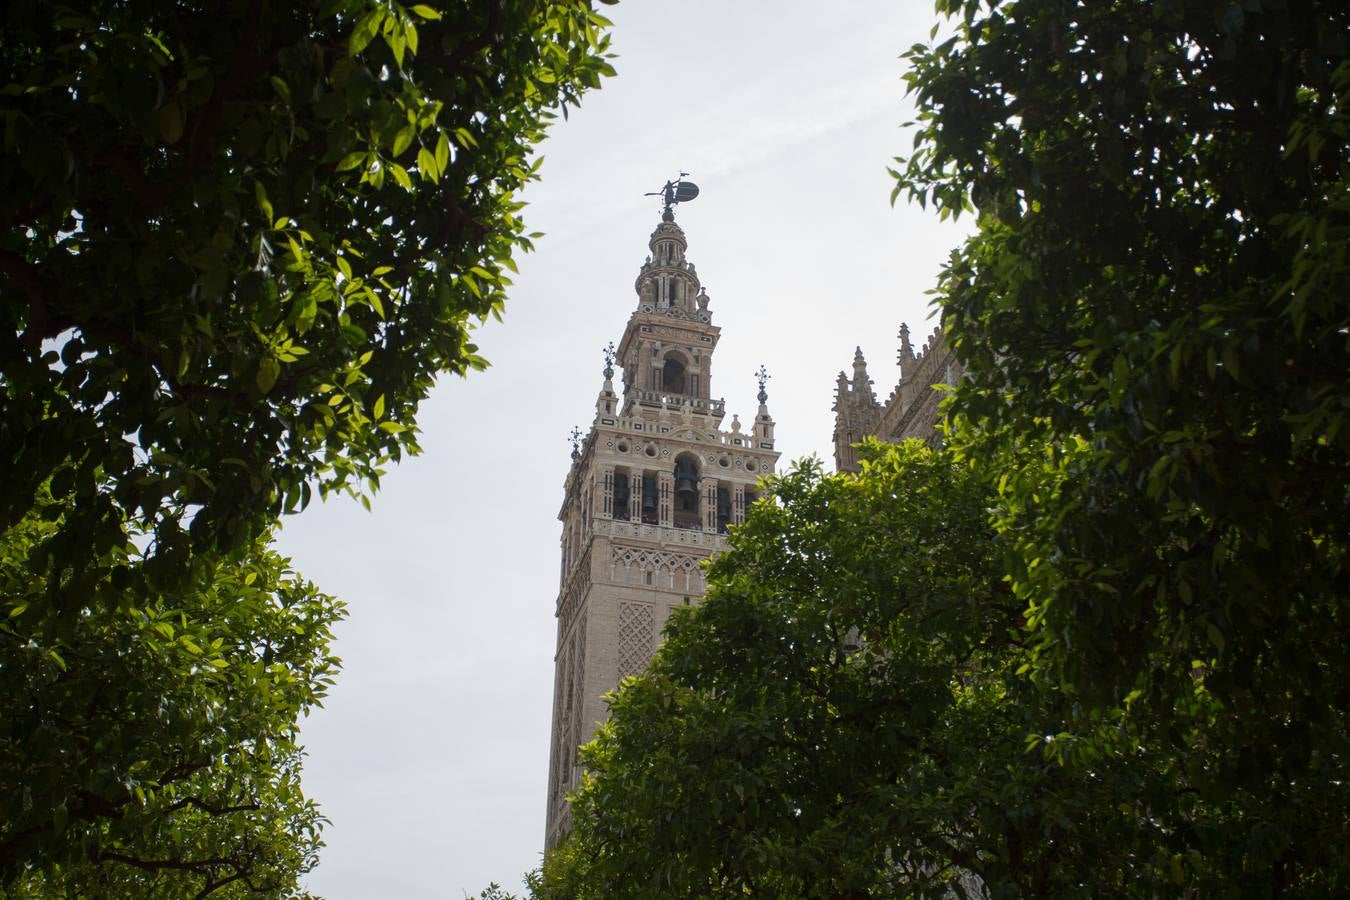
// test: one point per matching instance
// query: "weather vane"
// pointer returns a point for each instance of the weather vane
(575, 437)
(762, 376)
(677, 191)
(608, 350)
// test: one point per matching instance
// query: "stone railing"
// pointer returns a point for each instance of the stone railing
(743, 439)
(677, 402)
(665, 534)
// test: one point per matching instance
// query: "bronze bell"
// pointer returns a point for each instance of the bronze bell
(686, 484)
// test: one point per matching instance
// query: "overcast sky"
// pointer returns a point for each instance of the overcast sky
(431, 754)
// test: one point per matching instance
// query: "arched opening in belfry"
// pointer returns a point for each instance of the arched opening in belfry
(686, 512)
(621, 494)
(723, 506)
(672, 375)
(650, 514)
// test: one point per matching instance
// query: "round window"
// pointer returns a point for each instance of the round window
(651, 450)
(622, 448)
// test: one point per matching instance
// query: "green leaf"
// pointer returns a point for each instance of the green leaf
(396, 40)
(268, 370)
(426, 164)
(442, 152)
(366, 28)
(425, 12)
(282, 89)
(352, 160)
(171, 122)
(264, 205)
(307, 308)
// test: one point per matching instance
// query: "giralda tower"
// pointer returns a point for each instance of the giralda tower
(654, 484)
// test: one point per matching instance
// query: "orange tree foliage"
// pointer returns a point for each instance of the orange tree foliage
(238, 241)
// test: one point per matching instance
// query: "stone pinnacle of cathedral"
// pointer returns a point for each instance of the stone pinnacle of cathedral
(861, 380)
(906, 349)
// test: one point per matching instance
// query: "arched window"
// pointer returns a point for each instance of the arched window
(621, 495)
(686, 513)
(723, 506)
(649, 510)
(672, 375)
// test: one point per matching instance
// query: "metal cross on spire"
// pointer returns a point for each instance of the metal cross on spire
(762, 376)
(575, 438)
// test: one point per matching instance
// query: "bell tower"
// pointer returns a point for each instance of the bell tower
(654, 485)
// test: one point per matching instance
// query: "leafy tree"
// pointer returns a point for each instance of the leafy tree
(238, 241)
(1154, 322)
(150, 750)
(842, 717)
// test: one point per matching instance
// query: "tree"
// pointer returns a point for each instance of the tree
(1154, 323)
(151, 750)
(843, 717)
(238, 242)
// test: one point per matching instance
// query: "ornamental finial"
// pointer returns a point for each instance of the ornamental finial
(762, 376)
(575, 438)
(608, 350)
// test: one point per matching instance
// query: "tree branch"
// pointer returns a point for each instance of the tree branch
(177, 865)
(25, 276)
(210, 807)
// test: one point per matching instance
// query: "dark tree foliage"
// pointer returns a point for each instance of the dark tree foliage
(1155, 319)
(152, 752)
(238, 241)
(847, 715)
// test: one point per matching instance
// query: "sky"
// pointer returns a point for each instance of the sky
(430, 755)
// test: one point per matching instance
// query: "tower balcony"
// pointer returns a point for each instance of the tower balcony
(661, 399)
(666, 535)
